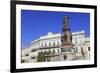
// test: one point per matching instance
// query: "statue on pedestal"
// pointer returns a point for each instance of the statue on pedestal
(67, 50)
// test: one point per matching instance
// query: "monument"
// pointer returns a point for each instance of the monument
(67, 50)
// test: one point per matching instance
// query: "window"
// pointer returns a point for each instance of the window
(88, 48)
(33, 57)
(49, 44)
(57, 43)
(45, 44)
(33, 50)
(76, 41)
(58, 50)
(76, 50)
(27, 55)
(41, 44)
(53, 51)
(53, 43)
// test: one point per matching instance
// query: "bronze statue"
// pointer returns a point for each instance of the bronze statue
(66, 37)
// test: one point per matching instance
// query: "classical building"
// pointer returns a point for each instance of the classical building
(55, 42)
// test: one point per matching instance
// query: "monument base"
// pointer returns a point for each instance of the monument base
(67, 53)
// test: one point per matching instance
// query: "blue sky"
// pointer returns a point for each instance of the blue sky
(37, 23)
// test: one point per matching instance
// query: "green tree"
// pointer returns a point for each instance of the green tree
(41, 57)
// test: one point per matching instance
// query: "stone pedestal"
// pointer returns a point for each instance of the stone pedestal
(67, 53)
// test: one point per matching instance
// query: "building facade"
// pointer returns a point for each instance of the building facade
(52, 42)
